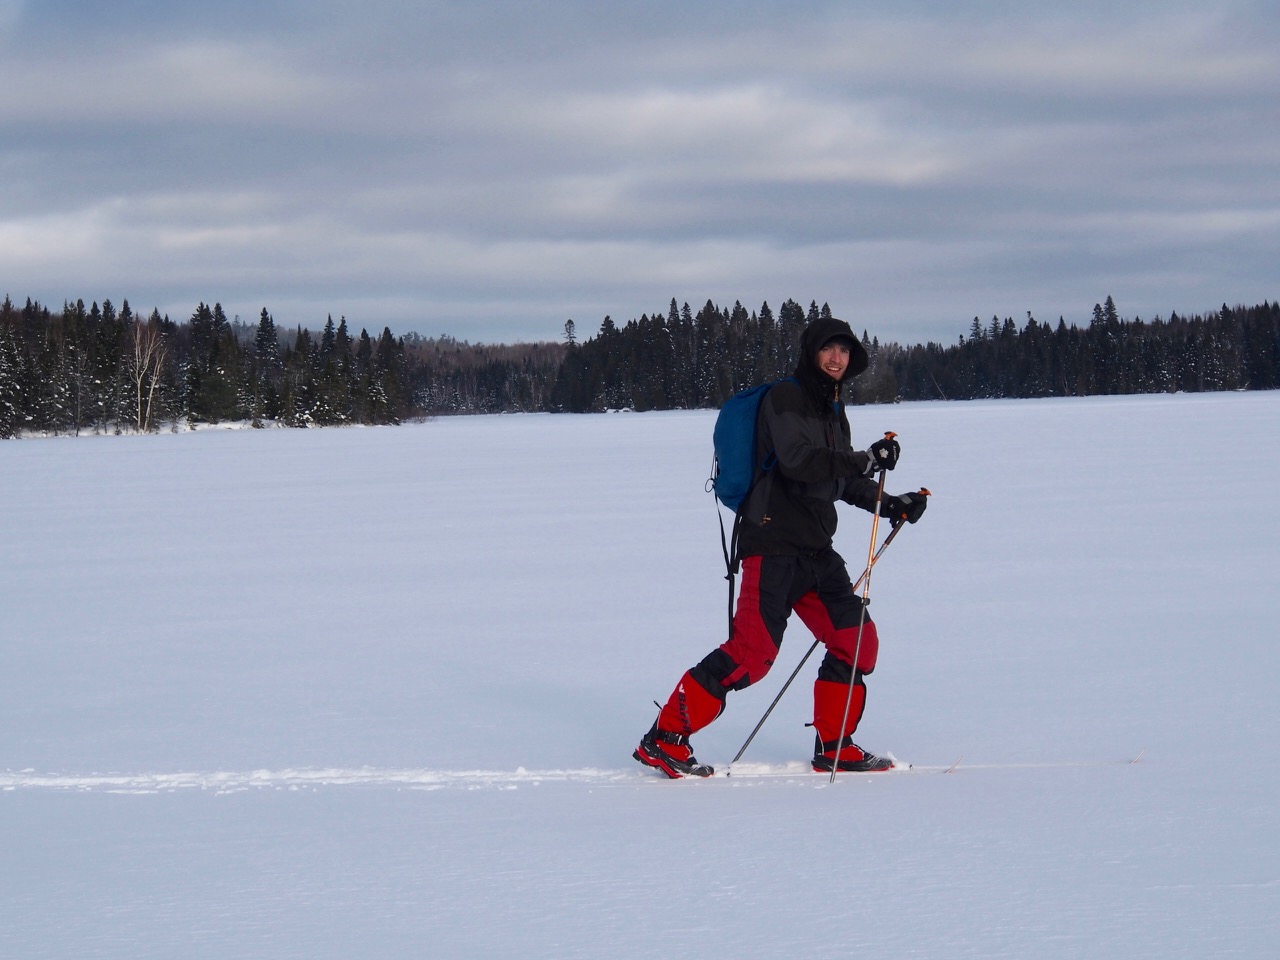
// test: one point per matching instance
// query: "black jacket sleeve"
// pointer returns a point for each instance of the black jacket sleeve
(861, 492)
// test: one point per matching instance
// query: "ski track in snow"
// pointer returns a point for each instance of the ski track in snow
(426, 779)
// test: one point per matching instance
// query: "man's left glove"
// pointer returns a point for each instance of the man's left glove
(909, 507)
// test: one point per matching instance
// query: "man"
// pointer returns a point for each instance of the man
(789, 563)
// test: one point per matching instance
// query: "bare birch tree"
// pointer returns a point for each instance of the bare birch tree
(147, 363)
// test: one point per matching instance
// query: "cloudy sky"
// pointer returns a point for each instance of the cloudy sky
(491, 169)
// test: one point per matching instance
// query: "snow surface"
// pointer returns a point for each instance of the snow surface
(373, 693)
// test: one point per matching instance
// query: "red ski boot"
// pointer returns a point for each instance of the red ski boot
(666, 745)
(832, 745)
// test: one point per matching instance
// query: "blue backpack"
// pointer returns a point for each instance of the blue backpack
(733, 468)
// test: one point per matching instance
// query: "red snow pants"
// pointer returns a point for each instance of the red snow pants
(818, 589)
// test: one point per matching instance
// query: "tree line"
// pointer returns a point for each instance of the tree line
(1232, 349)
(102, 369)
(685, 360)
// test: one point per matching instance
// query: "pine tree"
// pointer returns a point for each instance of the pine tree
(266, 371)
(10, 382)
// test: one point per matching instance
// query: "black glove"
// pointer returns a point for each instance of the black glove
(884, 453)
(908, 507)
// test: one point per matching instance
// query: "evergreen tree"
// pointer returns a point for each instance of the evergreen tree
(791, 324)
(11, 412)
(216, 390)
(266, 371)
(332, 373)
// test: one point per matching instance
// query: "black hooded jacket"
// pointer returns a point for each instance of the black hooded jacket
(803, 425)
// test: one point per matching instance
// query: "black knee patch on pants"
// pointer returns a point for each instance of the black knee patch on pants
(718, 674)
(833, 668)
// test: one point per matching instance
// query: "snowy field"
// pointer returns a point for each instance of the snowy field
(373, 693)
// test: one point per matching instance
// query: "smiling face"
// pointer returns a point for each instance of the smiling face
(833, 359)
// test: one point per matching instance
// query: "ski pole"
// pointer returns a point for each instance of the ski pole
(862, 621)
(897, 525)
(799, 666)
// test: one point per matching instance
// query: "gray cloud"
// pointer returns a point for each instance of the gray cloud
(490, 170)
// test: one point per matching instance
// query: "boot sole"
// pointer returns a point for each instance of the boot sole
(846, 766)
(675, 774)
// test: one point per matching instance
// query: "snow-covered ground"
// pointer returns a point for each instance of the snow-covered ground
(373, 693)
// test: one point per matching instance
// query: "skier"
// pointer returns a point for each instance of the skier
(789, 563)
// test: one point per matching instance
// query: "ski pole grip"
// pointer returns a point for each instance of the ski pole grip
(902, 518)
(890, 455)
